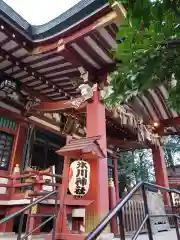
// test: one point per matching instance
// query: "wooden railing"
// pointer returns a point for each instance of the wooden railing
(14, 188)
(118, 211)
(174, 181)
(133, 214)
(5, 187)
(133, 211)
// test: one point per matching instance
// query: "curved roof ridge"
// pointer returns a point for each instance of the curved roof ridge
(7, 11)
(65, 20)
(65, 15)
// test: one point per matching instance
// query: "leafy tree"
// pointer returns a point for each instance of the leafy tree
(172, 151)
(148, 52)
(134, 167)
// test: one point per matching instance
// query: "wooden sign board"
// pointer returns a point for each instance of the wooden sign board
(156, 207)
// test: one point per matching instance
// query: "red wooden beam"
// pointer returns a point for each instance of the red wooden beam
(169, 122)
(26, 120)
(12, 115)
(163, 124)
(55, 106)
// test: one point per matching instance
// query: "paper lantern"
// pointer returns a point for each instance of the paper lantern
(79, 178)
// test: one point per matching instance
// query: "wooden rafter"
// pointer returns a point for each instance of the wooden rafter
(31, 72)
(16, 35)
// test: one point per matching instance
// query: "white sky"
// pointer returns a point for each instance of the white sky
(38, 12)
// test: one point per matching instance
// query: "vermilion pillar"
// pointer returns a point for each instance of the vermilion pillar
(96, 126)
(160, 169)
(18, 146)
(112, 204)
(7, 227)
(116, 178)
(61, 221)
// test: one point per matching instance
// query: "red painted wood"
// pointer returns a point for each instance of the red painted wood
(96, 126)
(4, 197)
(116, 179)
(5, 185)
(2, 210)
(21, 134)
(35, 221)
(13, 153)
(79, 34)
(112, 204)
(169, 123)
(4, 174)
(61, 224)
(7, 130)
(71, 201)
(160, 170)
(7, 227)
(12, 116)
(53, 106)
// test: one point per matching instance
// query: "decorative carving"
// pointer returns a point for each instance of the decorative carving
(76, 102)
(84, 74)
(68, 123)
(14, 96)
(31, 104)
(86, 92)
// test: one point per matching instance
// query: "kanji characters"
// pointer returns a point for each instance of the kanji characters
(81, 177)
(79, 181)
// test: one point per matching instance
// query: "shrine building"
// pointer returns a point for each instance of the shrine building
(56, 132)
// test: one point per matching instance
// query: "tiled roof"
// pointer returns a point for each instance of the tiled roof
(75, 14)
(80, 146)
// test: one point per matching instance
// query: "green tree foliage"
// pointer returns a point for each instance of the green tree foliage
(138, 166)
(148, 50)
(134, 167)
(172, 151)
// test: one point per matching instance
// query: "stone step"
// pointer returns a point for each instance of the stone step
(13, 236)
(168, 235)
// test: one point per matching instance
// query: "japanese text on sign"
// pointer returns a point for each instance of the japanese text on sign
(79, 179)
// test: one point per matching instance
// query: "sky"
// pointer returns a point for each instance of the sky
(38, 12)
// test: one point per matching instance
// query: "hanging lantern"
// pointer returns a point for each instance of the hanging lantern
(8, 86)
(79, 178)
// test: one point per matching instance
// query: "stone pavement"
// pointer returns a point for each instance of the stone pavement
(14, 237)
(169, 235)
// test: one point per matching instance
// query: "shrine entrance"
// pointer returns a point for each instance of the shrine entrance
(55, 78)
(45, 145)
